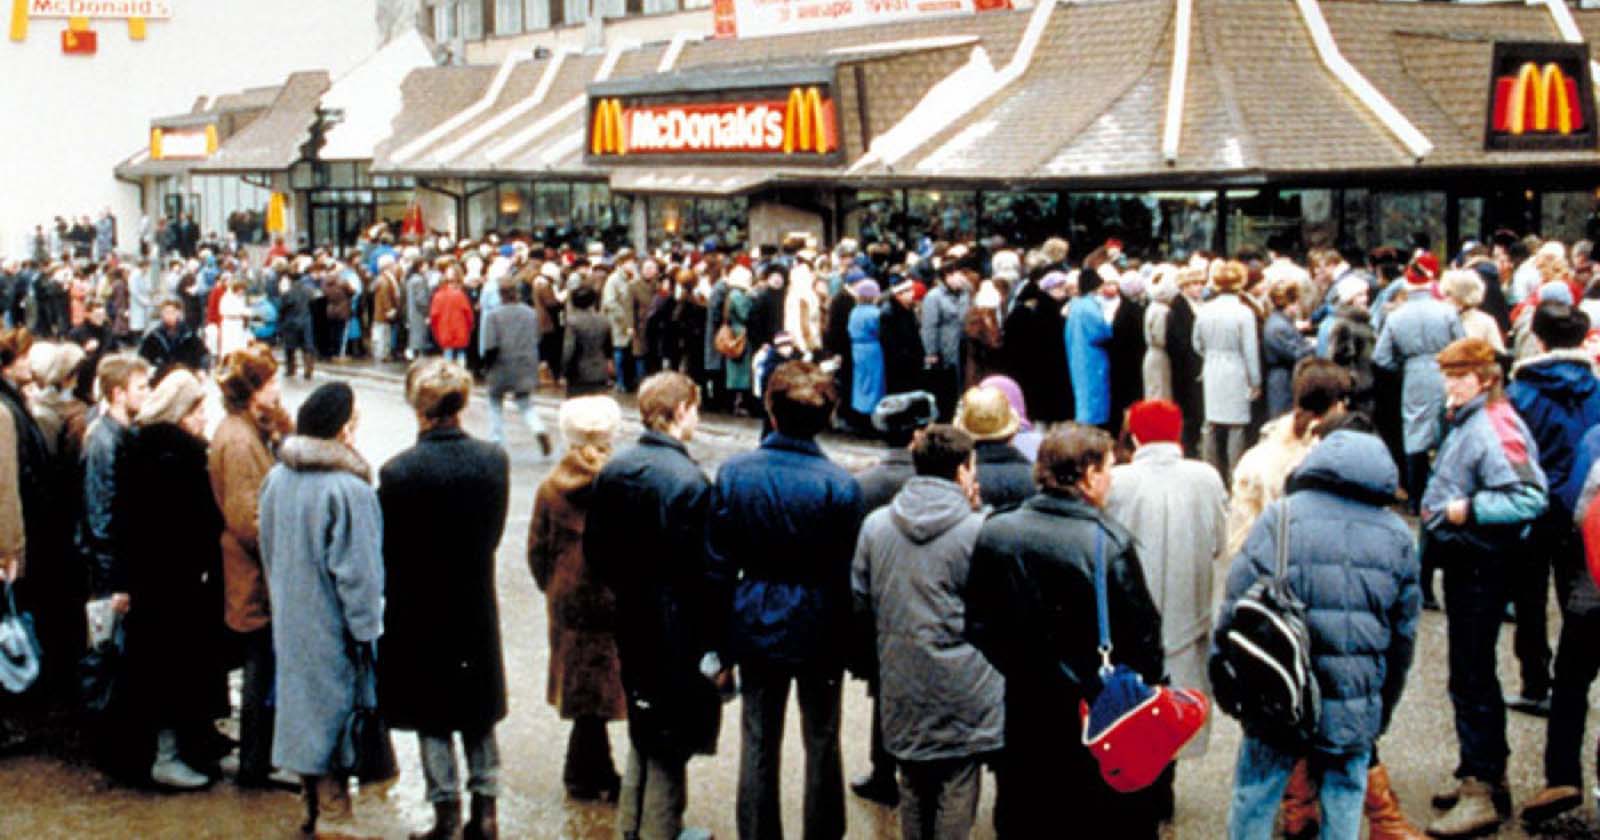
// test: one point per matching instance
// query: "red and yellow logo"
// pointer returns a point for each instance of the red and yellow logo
(1537, 100)
(804, 123)
(605, 136)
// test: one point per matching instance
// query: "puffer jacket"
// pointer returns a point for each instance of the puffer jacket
(940, 698)
(1558, 397)
(1488, 456)
(1352, 563)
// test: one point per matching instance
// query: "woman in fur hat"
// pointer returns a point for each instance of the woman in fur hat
(585, 684)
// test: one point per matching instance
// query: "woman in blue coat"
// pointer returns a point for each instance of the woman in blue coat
(1088, 352)
(866, 383)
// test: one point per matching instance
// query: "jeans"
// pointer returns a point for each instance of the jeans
(1262, 773)
(439, 765)
(627, 368)
(459, 356)
(765, 699)
(1577, 664)
(256, 706)
(1474, 604)
(1418, 470)
(654, 796)
(497, 420)
(939, 799)
(382, 341)
(1224, 446)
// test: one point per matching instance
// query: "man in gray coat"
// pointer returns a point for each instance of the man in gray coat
(1411, 337)
(944, 314)
(511, 354)
(419, 303)
(942, 702)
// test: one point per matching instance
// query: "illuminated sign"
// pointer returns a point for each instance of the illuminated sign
(183, 144)
(1540, 97)
(799, 123)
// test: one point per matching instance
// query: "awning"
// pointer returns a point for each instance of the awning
(139, 165)
(674, 180)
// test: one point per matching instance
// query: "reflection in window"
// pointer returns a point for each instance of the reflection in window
(1129, 217)
(1569, 216)
(1023, 219)
(535, 15)
(875, 216)
(1408, 219)
(508, 17)
(483, 208)
(1287, 221)
(1185, 223)
(472, 20)
(940, 216)
(516, 207)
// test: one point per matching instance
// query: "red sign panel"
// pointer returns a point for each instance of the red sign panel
(1540, 97)
(79, 43)
(805, 123)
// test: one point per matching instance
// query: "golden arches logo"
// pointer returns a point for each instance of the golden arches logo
(606, 136)
(805, 122)
(1537, 100)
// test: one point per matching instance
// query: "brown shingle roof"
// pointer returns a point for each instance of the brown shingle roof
(272, 142)
(429, 96)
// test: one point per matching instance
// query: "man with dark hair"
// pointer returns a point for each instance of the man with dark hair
(912, 559)
(1558, 397)
(172, 343)
(780, 536)
(656, 568)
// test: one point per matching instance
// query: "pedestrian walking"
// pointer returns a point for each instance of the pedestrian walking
(780, 536)
(322, 548)
(1408, 343)
(1005, 475)
(1225, 337)
(656, 568)
(511, 354)
(442, 624)
(942, 702)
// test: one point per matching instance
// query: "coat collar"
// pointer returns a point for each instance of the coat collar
(441, 435)
(1574, 355)
(803, 446)
(1459, 415)
(1070, 507)
(308, 454)
(997, 452)
(1158, 453)
(651, 437)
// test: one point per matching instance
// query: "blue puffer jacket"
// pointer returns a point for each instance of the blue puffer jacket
(1352, 563)
(780, 536)
(1489, 457)
(1558, 396)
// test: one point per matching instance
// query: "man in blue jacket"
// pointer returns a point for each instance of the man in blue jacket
(1558, 397)
(780, 537)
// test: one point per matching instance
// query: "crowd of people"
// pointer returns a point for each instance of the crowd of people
(1047, 422)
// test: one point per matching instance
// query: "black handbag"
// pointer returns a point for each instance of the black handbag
(365, 749)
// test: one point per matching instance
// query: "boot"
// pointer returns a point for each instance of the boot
(1302, 815)
(1383, 810)
(1551, 802)
(308, 798)
(446, 821)
(1473, 815)
(484, 825)
(169, 771)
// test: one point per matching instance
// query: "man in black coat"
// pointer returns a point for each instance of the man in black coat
(1035, 349)
(1186, 389)
(1127, 358)
(440, 666)
(1031, 611)
(655, 566)
(171, 343)
(900, 334)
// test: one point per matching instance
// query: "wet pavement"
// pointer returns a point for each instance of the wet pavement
(56, 794)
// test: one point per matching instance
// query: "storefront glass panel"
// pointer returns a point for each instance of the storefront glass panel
(1185, 223)
(515, 207)
(1290, 221)
(875, 216)
(1409, 220)
(1129, 217)
(723, 218)
(552, 204)
(1469, 219)
(483, 207)
(1569, 216)
(941, 216)
(1022, 219)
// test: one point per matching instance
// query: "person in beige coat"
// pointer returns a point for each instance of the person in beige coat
(241, 455)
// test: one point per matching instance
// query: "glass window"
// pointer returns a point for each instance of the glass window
(1405, 219)
(719, 217)
(1289, 221)
(472, 19)
(612, 8)
(552, 205)
(706, 4)
(1129, 217)
(658, 6)
(1469, 218)
(1355, 221)
(1569, 216)
(483, 207)
(535, 15)
(1022, 219)
(876, 216)
(941, 215)
(1185, 223)
(508, 17)
(516, 207)
(573, 11)
(444, 21)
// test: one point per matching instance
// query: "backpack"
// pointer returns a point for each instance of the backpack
(1261, 671)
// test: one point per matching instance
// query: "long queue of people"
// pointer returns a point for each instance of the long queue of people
(966, 600)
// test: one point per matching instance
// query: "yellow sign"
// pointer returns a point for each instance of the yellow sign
(805, 126)
(606, 137)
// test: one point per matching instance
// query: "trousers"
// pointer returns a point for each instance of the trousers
(255, 705)
(1474, 603)
(497, 420)
(939, 799)
(439, 773)
(654, 796)
(1223, 446)
(765, 700)
(1262, 773)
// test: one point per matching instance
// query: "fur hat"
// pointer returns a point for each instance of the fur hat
(590, 421)
(326, 412)
(1466, 355)
(54, 363)
(907, 412)
(1156, 421)
(438, 389)
(244, 372)
(172, 400)
(986, 414)
(988, 297)
(1229, 277)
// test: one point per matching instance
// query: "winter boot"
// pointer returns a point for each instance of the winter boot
(1383, 810)
(169, 771)
(308, 798)
(1302, 815)
(1551, 802)
(1473, 815)
(446, 822)
(484, 825)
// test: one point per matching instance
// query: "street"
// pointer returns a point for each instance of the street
(49, 796)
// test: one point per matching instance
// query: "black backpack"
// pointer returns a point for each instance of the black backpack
(1261, 671)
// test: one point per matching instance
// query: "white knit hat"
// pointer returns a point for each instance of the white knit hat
(590, 420)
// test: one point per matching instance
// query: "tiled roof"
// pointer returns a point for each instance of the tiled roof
(431, 95)
(272, 142)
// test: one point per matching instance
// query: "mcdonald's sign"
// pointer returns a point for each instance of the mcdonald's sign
(797, 124)
(1541, 97)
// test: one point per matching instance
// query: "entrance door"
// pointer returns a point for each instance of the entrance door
(339, 224)
(1481, 213)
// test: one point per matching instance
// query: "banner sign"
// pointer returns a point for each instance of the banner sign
(154, 9)
(755, 18)
(798, 124)
(1541, 97)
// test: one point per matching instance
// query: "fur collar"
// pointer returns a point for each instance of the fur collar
(577, 470)
(1568, 354)
(308, 454)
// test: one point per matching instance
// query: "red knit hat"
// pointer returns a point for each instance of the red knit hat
(1156, 421)
(1424, 269)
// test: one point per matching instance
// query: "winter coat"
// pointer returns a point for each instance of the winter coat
(880, 482)
(450, 317)
(336, 291)
(1410, 339)
(585, 676)
(1187, 389)
(441, 617)
(511, 332)
(1352, 563)
(1175, 509)
(1088, 340)
(802, 316)
(642, 294)
(779, 540)
(1005, 475)
(616, 304)
(1225, 338)
(1282, 347)
(646, 540)
(1036, 355)
(714, 307)
(1126, 354)
(175, 673)
(866, 357)
(1490, 458)
(25, 467)
(419, 304)
(737, 372)
(1558, 397)
(102, 451)
(322, 546)
(1582, 595)
(387, 299)
(1031, 612)
(984, 349)
(239, 462)
(235, 332)
(900, 336)
(1476, 323)
(585, 352)
(1351, 342)
(944, 313)
(1157, 364)
(166, 350)
(1262, 472)
(938, 697)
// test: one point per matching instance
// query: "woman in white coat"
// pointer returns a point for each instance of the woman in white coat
(1227, 338)
(235, 310)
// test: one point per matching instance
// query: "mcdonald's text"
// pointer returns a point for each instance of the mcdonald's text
(745, 127)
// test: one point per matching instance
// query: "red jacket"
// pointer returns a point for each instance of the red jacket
(450, 316)
(214, 305)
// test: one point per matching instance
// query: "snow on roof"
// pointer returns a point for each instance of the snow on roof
(370, 97)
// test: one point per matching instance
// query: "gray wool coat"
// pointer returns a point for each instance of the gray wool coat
(322, 546)
(1225, 337)
(1412, 336)
(513, 331)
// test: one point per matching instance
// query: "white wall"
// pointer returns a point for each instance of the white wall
(72, 118)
